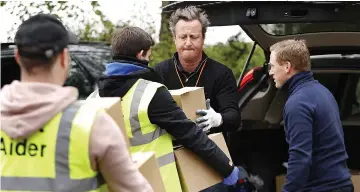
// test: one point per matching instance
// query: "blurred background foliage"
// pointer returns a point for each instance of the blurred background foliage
(86, 24)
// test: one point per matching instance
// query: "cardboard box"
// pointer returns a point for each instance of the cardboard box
(112, 106)
(280, 181)
(194, 173)
(148, 167)
(189, 99)
(356, 179)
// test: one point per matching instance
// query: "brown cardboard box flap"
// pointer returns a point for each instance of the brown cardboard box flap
(148, 167)
(189, 99)
(280, 181)
(356, 179)
(112, 106)
(194, 173)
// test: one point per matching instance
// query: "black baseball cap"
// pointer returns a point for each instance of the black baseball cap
(42, 36)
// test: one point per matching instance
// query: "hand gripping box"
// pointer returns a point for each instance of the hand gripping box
(194, 173)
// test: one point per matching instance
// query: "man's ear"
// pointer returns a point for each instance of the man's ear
(64, 58)
(288, 66)
(17, 56)
(140, 55)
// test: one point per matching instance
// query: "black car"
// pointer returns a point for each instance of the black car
(332, 33)
(87, 64)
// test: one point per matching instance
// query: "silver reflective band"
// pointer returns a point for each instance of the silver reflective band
(62, 181)
(138, 138)
(46, 184)
(166, 159)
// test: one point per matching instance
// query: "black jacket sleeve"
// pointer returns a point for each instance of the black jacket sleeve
(164, 112)
(226, 99)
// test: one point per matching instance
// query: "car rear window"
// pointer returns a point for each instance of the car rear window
(87, 65)
(330, 81)
(299, 28)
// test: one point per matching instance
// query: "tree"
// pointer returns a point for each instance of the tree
(89, 33)
(87, 24)
(166, 47)
(235, 58)
(74, 16)
(23, 10)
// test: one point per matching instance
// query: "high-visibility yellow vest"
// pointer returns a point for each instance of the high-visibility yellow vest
(56, 158)
(145, 136)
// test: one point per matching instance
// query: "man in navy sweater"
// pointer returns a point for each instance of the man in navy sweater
(317, 154)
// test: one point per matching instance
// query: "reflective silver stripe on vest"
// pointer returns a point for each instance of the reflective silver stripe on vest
(166, 159)
(139, 138)
(62, 182)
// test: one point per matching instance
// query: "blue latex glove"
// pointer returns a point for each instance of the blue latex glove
(240, 181)
(209, 118)
(232, 178)
(239, 173)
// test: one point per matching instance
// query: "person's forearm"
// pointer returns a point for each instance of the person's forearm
(208, 151)
(299, 134)
(228, 104)
(193, 138)
(231, 120)
(297, 172)
(171, 118)
(300, 151)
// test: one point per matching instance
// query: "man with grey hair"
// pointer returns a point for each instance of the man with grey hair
(191, 67)
(155, 112)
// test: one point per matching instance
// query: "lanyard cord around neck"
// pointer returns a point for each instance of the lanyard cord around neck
(197, 81)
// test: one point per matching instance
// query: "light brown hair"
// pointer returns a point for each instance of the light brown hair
(295, 51)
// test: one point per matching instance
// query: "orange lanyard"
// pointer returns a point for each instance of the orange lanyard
(177, 72)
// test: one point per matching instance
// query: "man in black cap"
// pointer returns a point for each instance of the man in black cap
(49, 141)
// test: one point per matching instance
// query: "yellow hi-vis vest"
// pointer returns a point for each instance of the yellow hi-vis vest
(145, 136)
(56, 158)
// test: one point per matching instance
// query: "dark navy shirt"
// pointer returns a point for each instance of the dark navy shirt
(317, 155)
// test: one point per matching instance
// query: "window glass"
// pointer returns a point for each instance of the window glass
(329, 80)
(355, 108)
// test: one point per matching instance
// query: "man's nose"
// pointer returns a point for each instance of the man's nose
(271, 72)
(188, 41)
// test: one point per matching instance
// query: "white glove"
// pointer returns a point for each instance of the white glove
(209, 118)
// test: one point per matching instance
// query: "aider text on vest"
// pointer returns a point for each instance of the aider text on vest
(22, 148)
